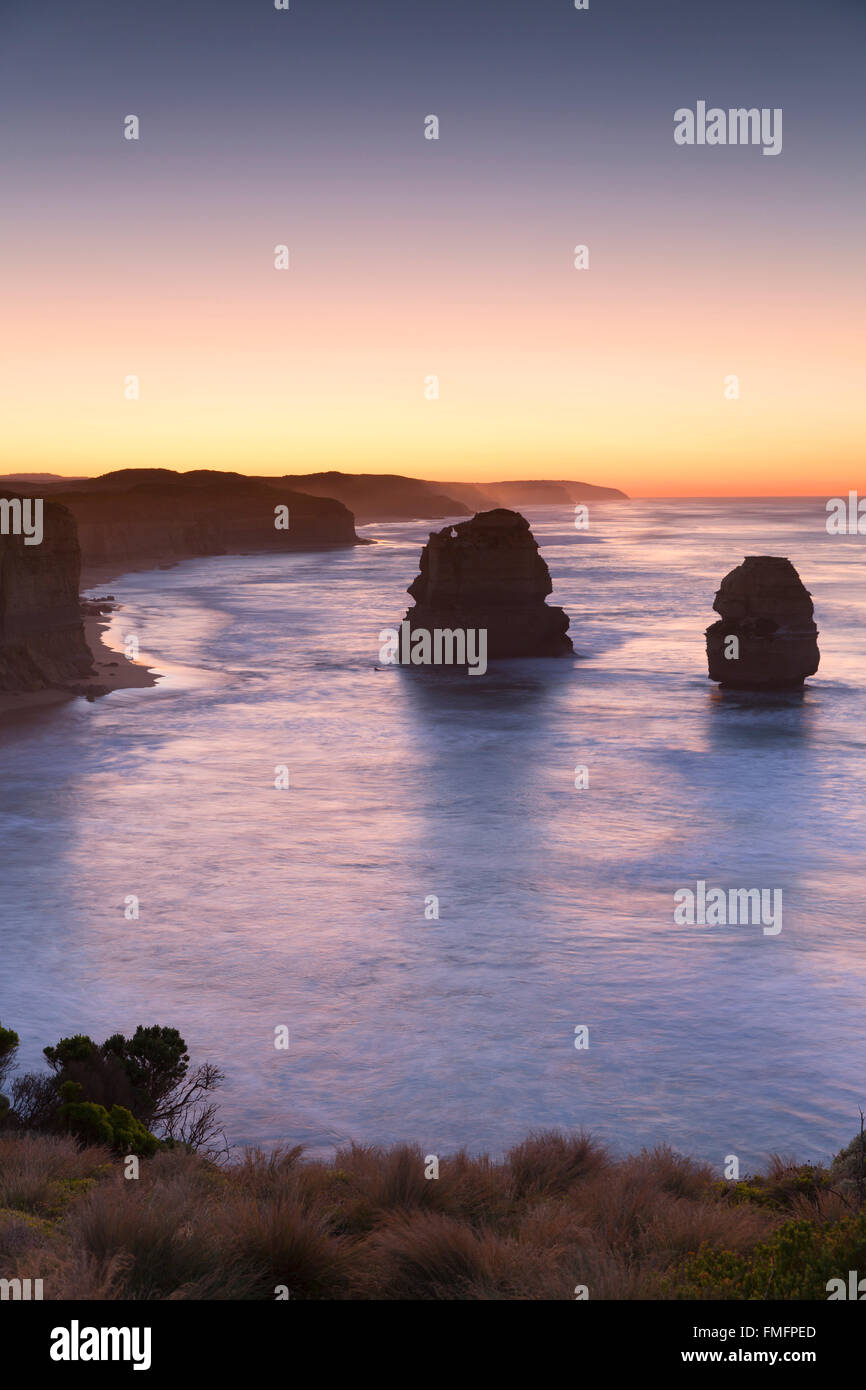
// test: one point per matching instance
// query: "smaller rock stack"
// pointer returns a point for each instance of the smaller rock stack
(487, 573)
(765, 606)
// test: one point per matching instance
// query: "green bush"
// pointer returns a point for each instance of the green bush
(797, 1262)
(146, 1077)
(778, 1190)
(79, 1048)
(117, 1128)
(8, 1048)
(848, 1170)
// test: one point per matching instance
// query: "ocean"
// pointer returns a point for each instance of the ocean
(304, 908)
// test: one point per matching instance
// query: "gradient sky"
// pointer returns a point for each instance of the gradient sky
(412, 257)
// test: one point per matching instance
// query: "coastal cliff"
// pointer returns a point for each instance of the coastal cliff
(42, 639)
(127, 520)
(136, 519)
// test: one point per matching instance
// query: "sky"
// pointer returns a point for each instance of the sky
(411, 258)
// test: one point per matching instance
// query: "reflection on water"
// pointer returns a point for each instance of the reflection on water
(306, 907)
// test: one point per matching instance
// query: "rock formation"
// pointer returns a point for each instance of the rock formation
(487, 573)
(42, 642)
(140, 518)
(764, 605)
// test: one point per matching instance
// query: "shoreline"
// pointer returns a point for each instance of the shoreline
(93, 576)
(111, 669)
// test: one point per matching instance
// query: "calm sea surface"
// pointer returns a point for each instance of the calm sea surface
(305, 907)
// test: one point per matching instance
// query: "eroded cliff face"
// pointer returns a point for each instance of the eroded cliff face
(487, 573)
(42, 642)
(767, 611)
(130, 520)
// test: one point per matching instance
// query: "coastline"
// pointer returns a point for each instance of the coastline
(111, 669)
(95, 575)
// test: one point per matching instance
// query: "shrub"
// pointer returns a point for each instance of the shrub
(796, 1263)
(786, 1186)
(144, 1079)
(8, 1048)
(848, 1169)
(117, 1128)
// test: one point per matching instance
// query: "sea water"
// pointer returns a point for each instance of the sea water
(306, 908)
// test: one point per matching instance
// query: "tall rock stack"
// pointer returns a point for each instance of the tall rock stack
(765, 606)
(42, 641)
(487, 573)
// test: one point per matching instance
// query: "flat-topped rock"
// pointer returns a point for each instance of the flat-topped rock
(764, 605)
(487, 573)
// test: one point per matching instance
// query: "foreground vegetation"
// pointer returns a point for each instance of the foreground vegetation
(556, 1216)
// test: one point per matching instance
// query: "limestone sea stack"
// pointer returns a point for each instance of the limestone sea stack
(765, 606)
(487, 573)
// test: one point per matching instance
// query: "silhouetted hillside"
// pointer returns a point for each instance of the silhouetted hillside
(135, 518)
(539, 492)
(382, 496)
(392, 497)
(369, 496)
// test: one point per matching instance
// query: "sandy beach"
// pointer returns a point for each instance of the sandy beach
(111, 671)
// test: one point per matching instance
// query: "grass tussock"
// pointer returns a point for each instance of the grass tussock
(557, 1218)
(41, 1173)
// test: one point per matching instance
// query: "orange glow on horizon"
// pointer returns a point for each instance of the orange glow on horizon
(567, 376)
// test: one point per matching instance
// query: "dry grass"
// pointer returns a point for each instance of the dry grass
(37, 1171)
(557, 1213)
